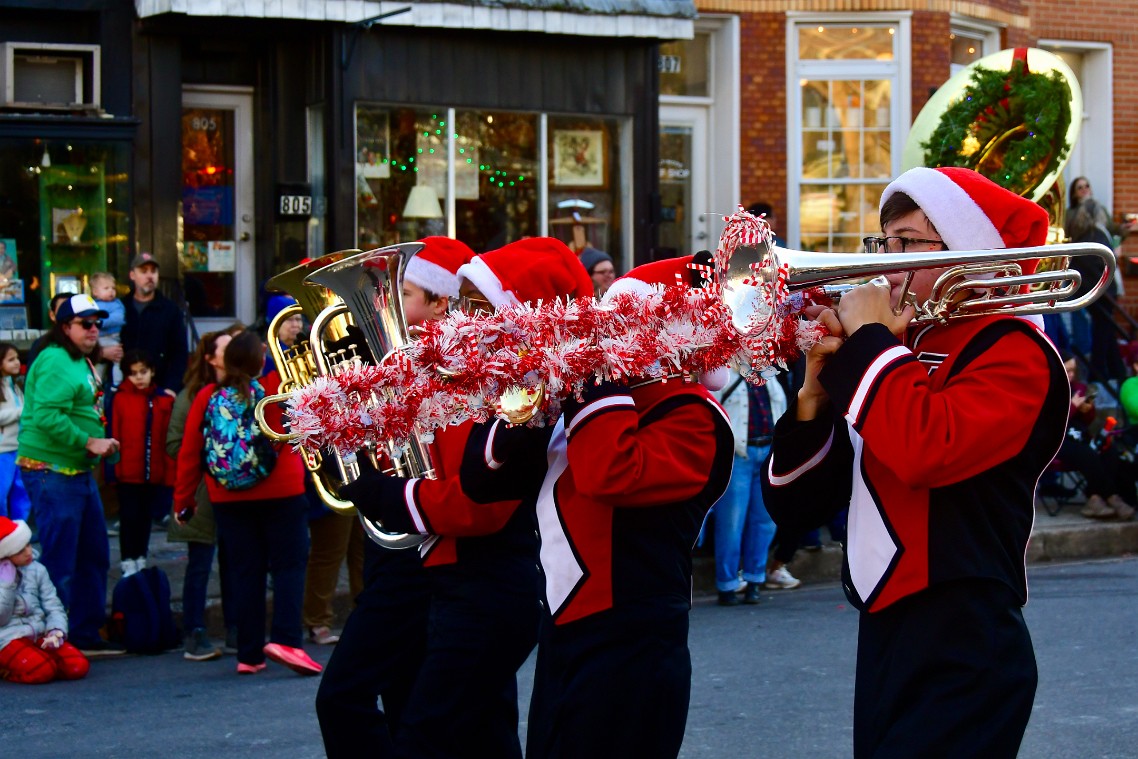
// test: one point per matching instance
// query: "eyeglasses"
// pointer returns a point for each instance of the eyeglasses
(472, 304)
(89, 323)
(875, 245)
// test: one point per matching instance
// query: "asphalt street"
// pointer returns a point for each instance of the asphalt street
(774, 680)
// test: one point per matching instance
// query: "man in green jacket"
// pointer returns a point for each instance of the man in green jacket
(62, 439)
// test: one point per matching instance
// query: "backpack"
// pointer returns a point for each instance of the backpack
(140, 613)
(238, 455)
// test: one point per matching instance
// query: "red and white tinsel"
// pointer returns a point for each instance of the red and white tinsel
(460, 366)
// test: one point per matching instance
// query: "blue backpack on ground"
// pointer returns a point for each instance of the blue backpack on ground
(141, 618)
(237, 453)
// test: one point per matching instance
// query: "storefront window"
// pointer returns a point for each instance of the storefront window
(495, 178)
(845, 108)
(208, 211)
(403, 176)
(65, 215)
(401, 170)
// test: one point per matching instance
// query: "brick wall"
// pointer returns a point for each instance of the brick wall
(762, 89)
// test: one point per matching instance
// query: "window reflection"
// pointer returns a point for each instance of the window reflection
(836, 43)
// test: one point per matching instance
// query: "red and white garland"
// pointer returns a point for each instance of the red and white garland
(460, 366)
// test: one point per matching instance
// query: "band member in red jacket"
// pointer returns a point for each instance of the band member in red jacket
(934, 436)
(384, 640)
(145, 472)
(485, 584)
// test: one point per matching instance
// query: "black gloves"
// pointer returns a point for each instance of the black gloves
(379, 497)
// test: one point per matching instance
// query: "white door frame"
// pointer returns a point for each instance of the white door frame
(240, 101)
(701, 211)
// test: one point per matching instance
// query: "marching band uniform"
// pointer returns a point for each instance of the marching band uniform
(627, 478)
(384, 641)
(482, 563)
(935, 444)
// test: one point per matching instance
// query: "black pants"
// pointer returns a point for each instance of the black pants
(948, 672)
(262, 538)
(136, 503)
(611, 686)
(465, 699)
(378, 657)
(1098, 469)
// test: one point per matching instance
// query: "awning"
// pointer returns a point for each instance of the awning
(660, 19)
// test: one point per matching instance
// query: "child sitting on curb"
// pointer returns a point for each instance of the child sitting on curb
(33, 624)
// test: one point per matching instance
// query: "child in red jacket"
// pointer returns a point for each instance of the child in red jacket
(145, 472)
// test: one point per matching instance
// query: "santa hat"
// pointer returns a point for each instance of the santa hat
(688, 271)
(644, 279)
(970, 211)
(14, 535)
(529, 270)
(435, 267)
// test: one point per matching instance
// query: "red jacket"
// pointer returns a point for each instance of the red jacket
(286, 479)
(142, 460)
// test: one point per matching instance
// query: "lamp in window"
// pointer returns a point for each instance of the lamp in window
(422, 206)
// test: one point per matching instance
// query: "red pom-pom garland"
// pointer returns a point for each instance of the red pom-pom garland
(458, 367)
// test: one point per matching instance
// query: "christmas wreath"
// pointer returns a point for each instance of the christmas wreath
(1009, 126)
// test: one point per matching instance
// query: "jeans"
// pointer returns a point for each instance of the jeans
(743, 528)
(75, 550)
(195, 585)
(259, 538)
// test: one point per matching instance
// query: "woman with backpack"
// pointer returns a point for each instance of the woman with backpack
(257, 493)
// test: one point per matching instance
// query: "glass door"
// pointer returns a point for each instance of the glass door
(217, 246)
(685, 208)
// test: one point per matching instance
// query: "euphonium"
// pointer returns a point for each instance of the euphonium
(371, 286)
(297, 365)
(975, 283)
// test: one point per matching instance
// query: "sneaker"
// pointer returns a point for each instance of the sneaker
(128, 567)
(781, 579)
(230, 645)
(1122, 509)
(199, 647)
(293, 658)
(99, 648)
(250, 669)
(140, 563)
(751, 594)
(322, 636)
(728, 598)
(1096, 508)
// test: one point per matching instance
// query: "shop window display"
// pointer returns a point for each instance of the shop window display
(64, 216)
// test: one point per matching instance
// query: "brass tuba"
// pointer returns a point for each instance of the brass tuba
(298, 365)
(370, 285)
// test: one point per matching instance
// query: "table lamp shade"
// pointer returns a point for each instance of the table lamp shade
(423, 203)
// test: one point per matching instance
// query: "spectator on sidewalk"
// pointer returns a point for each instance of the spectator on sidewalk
(14, 502)
(144, 471)
(33, 624)
(62, 439)
(155, 324)
(41, 341)
(199, 532)
(257, 493)
(743, 528)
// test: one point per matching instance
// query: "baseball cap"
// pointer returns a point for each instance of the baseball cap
(78, 306)
(142, 259)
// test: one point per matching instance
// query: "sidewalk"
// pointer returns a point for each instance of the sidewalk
(1066, 536)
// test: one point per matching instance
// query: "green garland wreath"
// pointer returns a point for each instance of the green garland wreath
(1029, 112)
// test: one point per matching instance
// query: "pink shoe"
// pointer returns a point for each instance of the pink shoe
(250, 669)
(293, 658)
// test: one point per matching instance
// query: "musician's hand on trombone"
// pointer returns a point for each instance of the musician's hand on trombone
(872, 303)
(812, 397)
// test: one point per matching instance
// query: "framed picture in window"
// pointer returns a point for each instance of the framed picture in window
(579, 158)
(75, 284)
